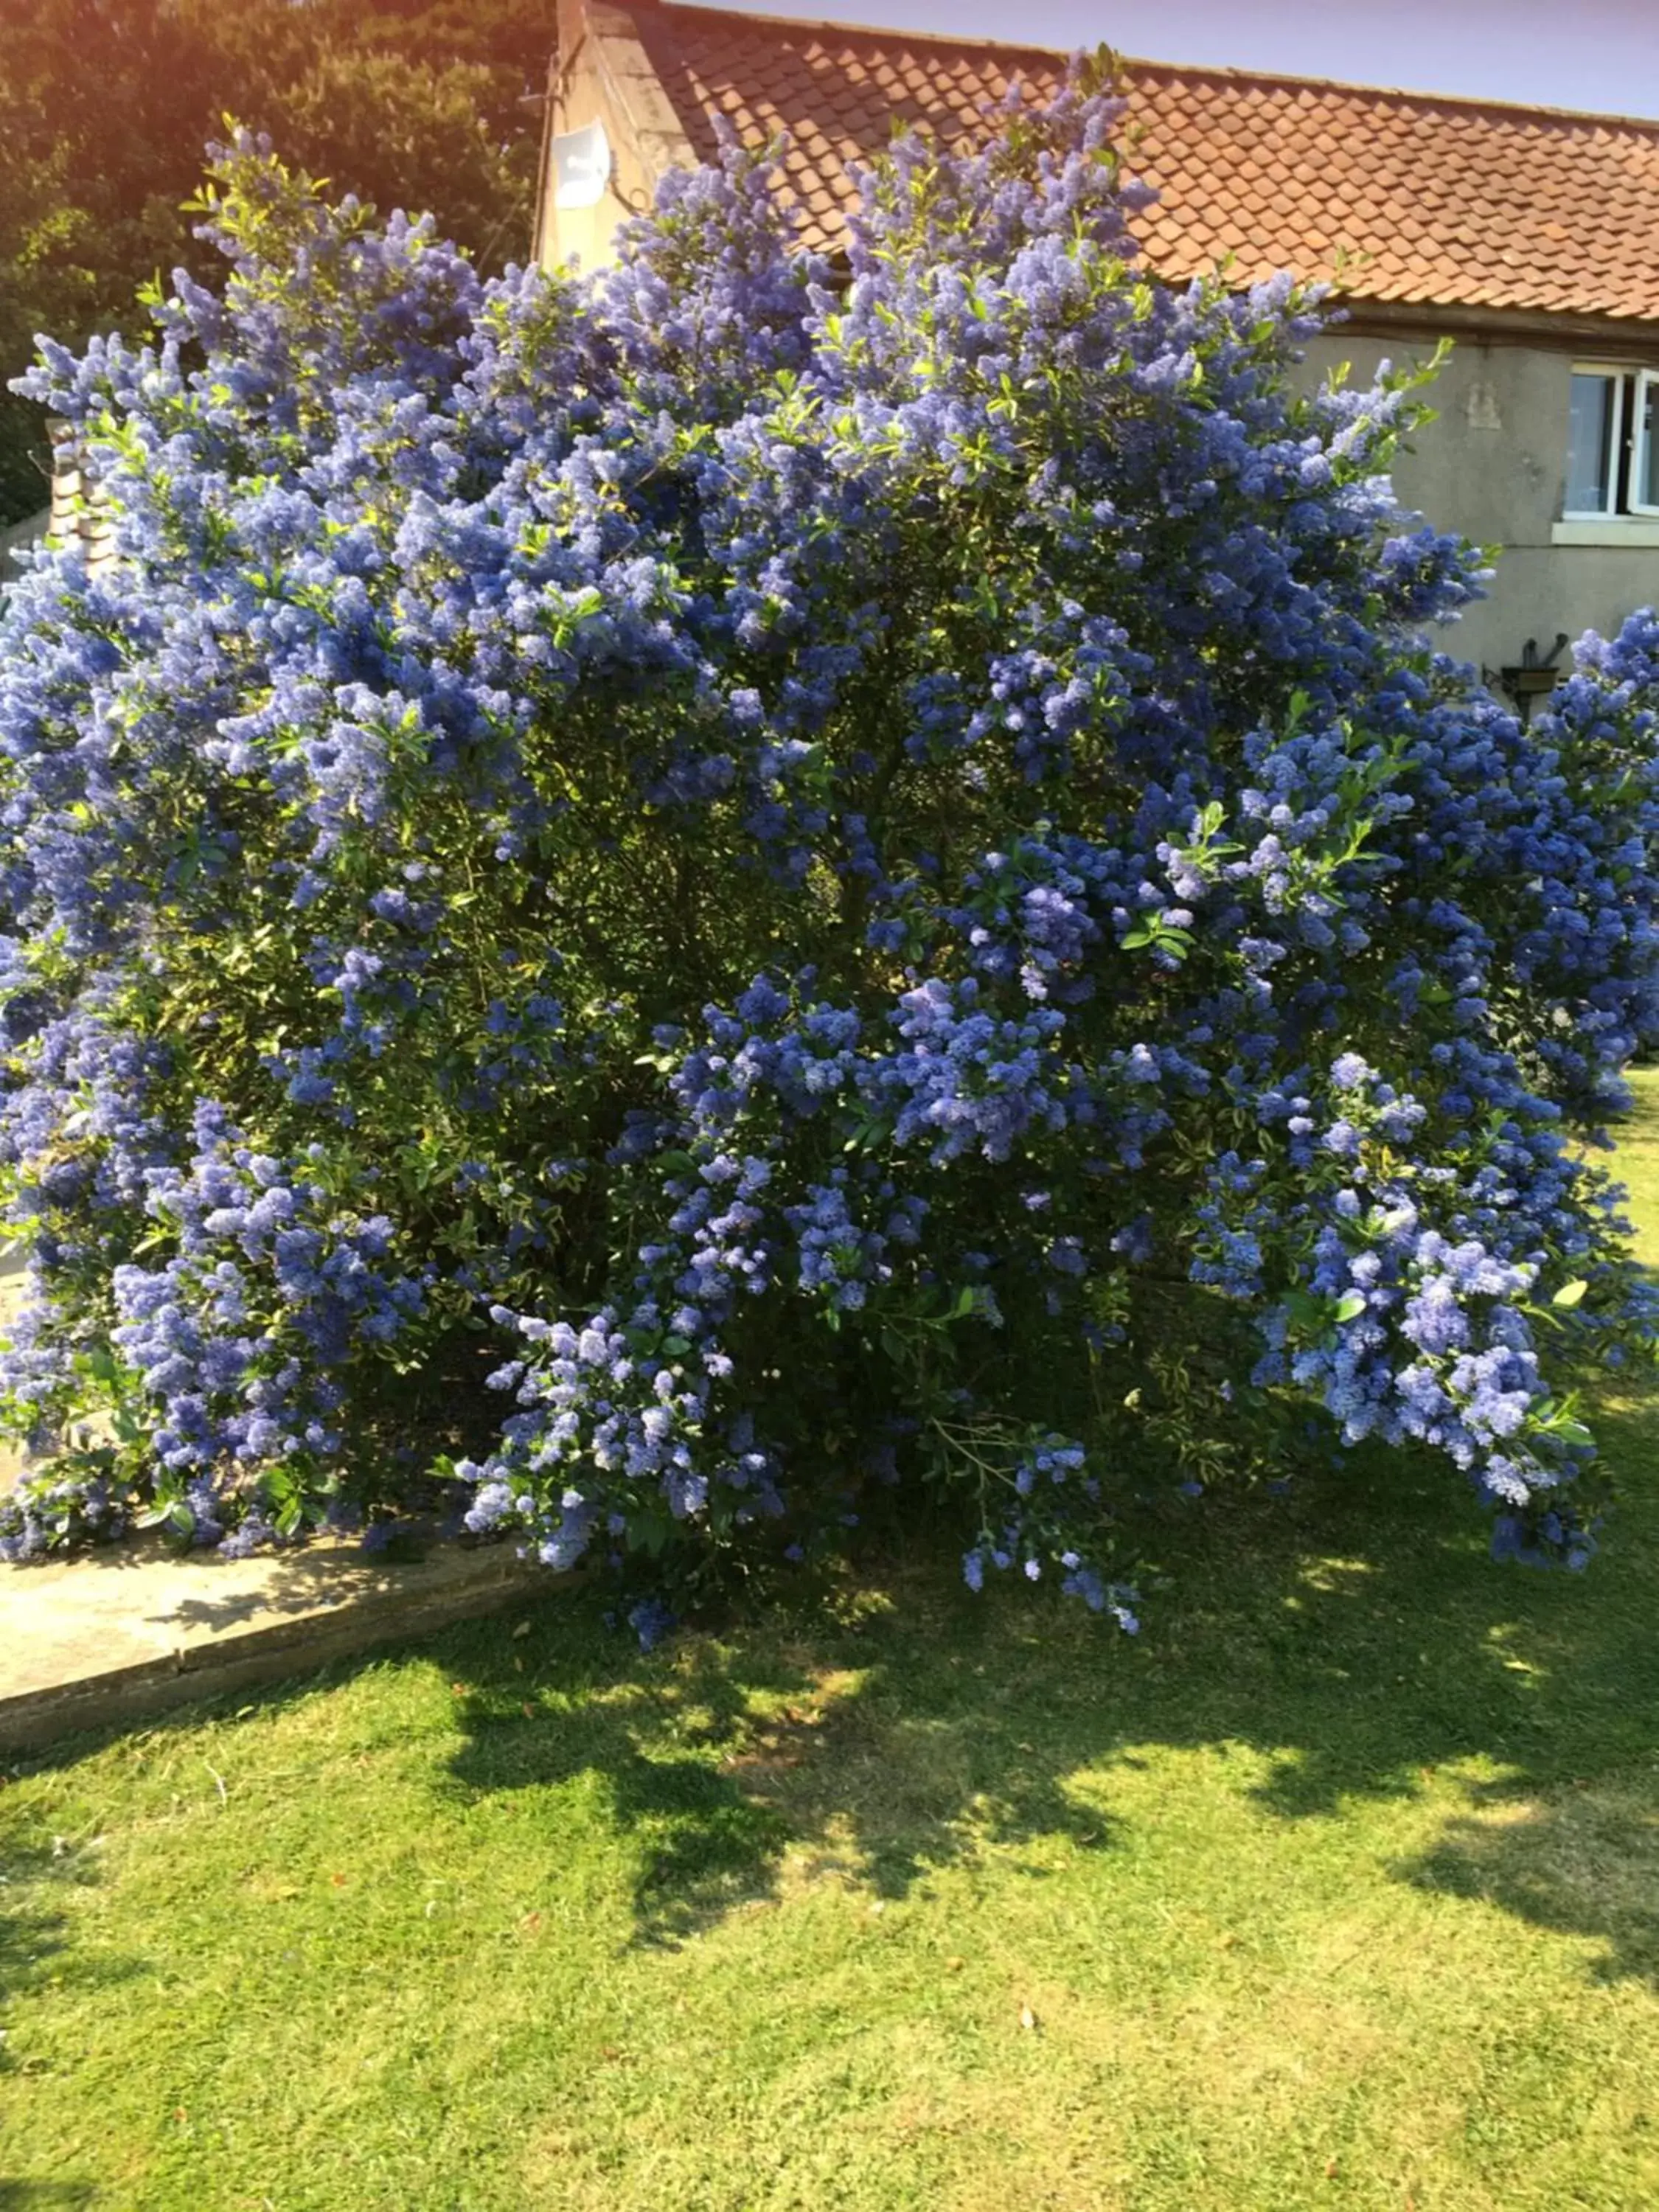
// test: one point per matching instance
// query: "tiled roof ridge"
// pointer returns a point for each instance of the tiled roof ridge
(1214, 72)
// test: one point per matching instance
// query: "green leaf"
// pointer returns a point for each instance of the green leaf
(649, 1531)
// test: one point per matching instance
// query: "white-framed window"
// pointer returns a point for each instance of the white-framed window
(1645, 446)
(1613, 442)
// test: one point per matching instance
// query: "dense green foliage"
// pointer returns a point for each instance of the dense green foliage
(106, 105)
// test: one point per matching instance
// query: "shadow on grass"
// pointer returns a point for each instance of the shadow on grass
(656, 1741)
(1344, 1640)
(1570, 1842)
(34, 1940)
(1353, 1639)
(34, 1929)
(717, 1753)
(35, 1950)
(1585, 1864)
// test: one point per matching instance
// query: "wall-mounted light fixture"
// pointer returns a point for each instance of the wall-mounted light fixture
(1535, 676)
(581, 165)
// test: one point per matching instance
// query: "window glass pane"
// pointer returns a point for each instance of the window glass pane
(1589, 444)
(1645, 488)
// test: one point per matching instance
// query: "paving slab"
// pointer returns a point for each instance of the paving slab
(122, 1630)
(127, 1630)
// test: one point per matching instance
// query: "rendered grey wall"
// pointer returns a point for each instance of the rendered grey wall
(1493, 466)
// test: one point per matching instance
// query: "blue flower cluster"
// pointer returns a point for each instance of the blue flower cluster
(660, 894)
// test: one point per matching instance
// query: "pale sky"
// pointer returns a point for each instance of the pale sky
(1602, 55)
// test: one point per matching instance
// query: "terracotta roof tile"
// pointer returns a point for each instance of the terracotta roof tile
(1443, 203)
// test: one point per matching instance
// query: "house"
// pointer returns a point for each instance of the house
(1528, 235)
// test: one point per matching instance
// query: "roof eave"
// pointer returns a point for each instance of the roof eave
(1635, 336)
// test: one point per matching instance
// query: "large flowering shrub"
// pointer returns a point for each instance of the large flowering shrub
(659, 895)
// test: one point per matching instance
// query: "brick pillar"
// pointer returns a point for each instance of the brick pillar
(81, 510)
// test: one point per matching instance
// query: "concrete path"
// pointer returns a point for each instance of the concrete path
(126, 1631)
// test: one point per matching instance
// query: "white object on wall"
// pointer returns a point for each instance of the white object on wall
(581, 166)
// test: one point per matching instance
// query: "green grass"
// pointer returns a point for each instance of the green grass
(1340, 1889)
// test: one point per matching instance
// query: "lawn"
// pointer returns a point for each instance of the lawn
(1338, 1889)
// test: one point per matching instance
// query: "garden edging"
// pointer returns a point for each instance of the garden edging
(115, 1635)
